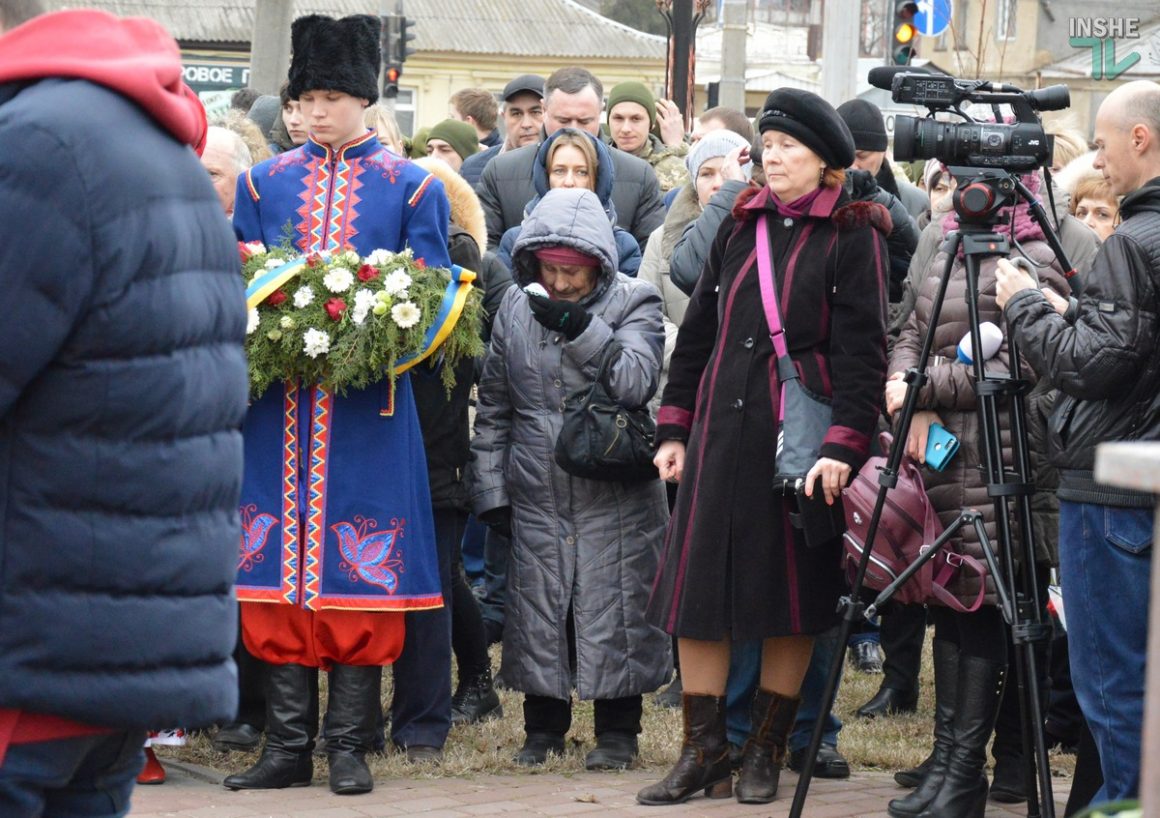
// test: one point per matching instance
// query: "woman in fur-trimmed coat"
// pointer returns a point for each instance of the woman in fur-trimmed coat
(733, 566)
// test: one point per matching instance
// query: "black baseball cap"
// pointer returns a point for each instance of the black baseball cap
(523, 84)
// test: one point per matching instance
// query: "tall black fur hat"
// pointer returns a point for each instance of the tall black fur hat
(335, 55)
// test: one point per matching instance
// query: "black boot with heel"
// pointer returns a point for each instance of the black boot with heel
(946, 692)
(963, 793)
(352, 714)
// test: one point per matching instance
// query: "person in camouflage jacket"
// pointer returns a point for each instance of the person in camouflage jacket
(634, 119)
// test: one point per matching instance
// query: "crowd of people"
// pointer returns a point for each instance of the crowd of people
(744, 281)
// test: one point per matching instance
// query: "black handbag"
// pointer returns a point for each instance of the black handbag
(602, 440)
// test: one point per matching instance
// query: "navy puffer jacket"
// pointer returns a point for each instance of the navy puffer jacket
(122, 392)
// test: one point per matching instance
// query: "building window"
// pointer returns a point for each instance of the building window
(1005, 22)
(405, 111)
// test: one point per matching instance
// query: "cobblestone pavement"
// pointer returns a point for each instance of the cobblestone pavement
(195, 792)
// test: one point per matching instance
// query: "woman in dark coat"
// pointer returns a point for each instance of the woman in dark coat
(733, 567)
(970, 649)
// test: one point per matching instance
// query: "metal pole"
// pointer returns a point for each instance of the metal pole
(270, 45)
(731, 92)
(681, 51)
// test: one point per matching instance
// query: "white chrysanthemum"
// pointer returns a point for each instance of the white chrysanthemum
(303, 297)
(252, 321)
(397, 281)
(315, 342)
(338, 280)
(286, 322)
(364, 302)
(379, 257)
(406, 314)
(271, 263)
(350, 257)
(255, 247)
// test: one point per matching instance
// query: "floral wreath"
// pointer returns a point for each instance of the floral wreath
(346, 322)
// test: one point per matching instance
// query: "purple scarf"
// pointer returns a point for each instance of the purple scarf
(801, 206)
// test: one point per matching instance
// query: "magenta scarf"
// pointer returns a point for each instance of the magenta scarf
(798, 207)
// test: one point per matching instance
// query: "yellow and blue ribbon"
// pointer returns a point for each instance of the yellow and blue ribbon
(265, 284)
(450, 309)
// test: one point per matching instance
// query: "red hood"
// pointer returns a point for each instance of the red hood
(134, 56)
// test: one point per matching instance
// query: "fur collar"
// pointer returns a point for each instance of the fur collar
(466, 211)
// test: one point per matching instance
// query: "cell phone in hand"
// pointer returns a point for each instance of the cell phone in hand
(941, 447)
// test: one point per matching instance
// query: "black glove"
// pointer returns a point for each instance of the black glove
(565, 317)
(498, 520)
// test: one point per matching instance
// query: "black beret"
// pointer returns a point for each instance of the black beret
(865, 123)
(335, 55)
(812, 120)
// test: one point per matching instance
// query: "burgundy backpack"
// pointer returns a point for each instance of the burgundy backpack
(908, 526)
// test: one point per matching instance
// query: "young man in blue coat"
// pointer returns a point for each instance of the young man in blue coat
(367, 475)
(122, 391)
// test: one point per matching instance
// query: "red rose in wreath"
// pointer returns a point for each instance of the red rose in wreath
(335, 307)
(276, 298)
(367, 273)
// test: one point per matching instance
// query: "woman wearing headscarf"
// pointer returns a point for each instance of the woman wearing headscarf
(970, 649)
(583, 551)
(734, 566)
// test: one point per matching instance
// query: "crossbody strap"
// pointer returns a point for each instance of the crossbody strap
(785, 369)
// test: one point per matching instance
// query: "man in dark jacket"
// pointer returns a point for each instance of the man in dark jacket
(574, 99)
(1106, 364)
(523, 118)
(122, 392)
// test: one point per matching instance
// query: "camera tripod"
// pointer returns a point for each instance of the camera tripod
(980, 195)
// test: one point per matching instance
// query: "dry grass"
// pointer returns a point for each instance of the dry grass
(879, 744)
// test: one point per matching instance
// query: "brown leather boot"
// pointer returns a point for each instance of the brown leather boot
(704, 761)
(764, 753)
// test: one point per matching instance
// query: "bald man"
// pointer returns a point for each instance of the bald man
(225, 156)
(1103, 353)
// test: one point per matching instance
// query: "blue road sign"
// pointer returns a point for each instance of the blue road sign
(933, 17)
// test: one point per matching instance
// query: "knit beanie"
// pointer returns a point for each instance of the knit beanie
(458, 134)
(419, 143)
(710, 146)
(865, 123)
(264, 111)
(633, 92)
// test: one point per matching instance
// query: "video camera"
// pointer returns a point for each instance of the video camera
(1020, 146)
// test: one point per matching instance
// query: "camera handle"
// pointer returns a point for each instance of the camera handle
(1021, 610)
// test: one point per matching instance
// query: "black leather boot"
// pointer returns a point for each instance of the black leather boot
(475, 700)
(352, 713)
(704, 761)
(946, 692)
(290, 731)
(912, 777)
(771, 720)
(963, 793)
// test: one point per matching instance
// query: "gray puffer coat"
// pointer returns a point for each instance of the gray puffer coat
(584, 545)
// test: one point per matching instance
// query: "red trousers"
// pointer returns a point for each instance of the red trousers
(287, 634)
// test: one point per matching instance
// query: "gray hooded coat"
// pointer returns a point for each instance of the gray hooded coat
(587, 545)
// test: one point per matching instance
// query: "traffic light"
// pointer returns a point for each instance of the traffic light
(903, 41)
(406, 34)
(392, 62)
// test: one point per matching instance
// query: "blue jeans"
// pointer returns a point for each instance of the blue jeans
(1105, 557)
(421, 705)
(745, 673)
(86, 777)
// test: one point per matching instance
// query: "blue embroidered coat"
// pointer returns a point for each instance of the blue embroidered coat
(336, 509)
